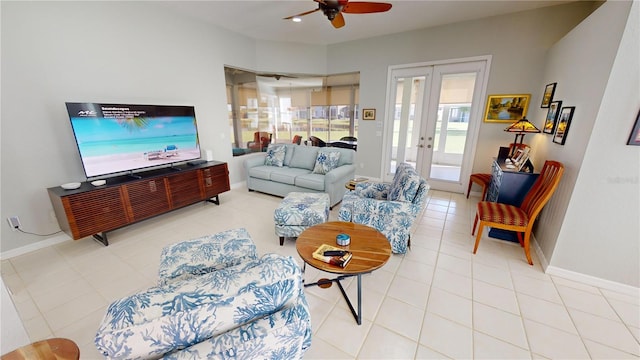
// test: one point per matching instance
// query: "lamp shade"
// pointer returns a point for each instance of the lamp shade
(522, 126)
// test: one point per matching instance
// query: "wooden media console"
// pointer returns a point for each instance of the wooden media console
(94, 210)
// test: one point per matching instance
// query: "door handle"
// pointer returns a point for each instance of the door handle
(420, 145)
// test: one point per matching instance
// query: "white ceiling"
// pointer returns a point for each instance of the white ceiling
(263, 19)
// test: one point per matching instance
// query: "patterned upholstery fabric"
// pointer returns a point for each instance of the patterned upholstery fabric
(288, 329)
(368, 204)
(199, 256)
(502, 213)
(398, 185)
(255, 309)
(298, 211)
(326, 161)
(275, 155)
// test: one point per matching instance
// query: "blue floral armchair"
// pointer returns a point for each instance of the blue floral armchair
(227, 303)
(391, 208)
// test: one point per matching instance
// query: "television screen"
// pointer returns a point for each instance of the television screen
(115, 138)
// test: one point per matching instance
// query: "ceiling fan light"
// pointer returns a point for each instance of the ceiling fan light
(296, 19)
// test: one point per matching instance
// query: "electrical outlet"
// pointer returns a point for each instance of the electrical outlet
(14, 222)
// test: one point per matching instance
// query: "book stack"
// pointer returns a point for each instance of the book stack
(341, 258)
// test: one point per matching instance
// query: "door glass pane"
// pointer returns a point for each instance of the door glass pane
(454, 106)
(406, 125)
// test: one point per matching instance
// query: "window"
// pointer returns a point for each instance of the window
(284, 106)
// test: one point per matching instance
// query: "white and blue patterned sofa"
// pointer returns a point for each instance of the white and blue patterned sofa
(215, 300)
(286, 168)
(391, 208)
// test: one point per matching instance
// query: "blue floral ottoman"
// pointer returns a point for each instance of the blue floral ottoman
(298, 211)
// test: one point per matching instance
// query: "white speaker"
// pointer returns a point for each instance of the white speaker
(209, 155)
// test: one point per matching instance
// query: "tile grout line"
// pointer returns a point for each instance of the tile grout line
(435, 268)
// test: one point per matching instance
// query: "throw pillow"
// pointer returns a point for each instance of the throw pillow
(326, 161)
(275, 155)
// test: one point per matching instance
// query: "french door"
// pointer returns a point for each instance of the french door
(435, 112)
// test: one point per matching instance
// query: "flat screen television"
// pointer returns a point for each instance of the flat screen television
(116, 138)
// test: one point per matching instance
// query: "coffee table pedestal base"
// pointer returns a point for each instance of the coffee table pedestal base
(357, 315)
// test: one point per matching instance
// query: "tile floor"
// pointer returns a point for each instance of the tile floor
(436, 301)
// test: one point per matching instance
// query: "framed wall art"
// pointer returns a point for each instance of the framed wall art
(552, 117)
(506, 108)
(547, 97)
(634, 137)
(368, 114)
(562, 129)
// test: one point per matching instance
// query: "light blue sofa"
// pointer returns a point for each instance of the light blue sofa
(297, 172)
(215, 300)
(391, 208)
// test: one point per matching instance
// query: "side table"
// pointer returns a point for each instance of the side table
(351, 184)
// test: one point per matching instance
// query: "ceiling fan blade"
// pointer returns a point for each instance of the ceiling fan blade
(301, 14)
(338, 21)
(365, 7)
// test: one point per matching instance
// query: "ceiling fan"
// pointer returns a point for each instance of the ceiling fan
(333, 9)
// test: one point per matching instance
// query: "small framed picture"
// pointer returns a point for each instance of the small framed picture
(562, 129)
(547, 98)
(368, 114)
(506, 108)
(552, 117)
(634, 137)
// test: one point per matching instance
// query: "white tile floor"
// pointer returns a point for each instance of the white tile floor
(436, 301)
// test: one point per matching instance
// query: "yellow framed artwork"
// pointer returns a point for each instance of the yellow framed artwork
(506, 108)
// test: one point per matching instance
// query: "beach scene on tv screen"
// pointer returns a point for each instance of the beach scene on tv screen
(115, 145)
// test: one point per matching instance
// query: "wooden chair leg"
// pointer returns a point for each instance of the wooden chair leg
(475, 247)
(520, 239)
(469, 188)
(281, 240)
(475, 222)
(527, 237)
(484, 192)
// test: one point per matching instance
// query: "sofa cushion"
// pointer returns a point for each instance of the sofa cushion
(290, 148)
(191, 258)
(310, 181)
(347, 156)
(304, 157)
(326, 161)
(262, 171)
(287, 175)
(275, 155)
(162, 319)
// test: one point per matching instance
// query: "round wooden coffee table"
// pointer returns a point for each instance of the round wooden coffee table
(58, 348)
(370, 249)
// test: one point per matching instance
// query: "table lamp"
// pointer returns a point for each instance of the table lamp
(521, 128)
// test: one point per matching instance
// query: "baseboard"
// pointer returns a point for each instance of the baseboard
(35, 246)
(593, 281)
(543, 260)
(241, 184)
(582, 278)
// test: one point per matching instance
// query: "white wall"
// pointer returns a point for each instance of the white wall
(599, 234)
